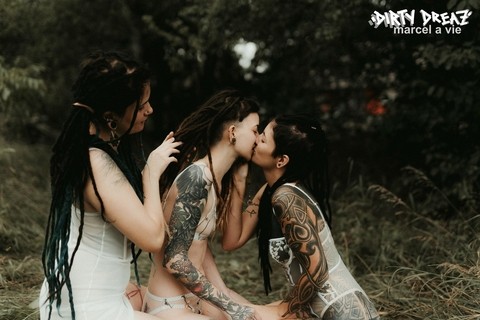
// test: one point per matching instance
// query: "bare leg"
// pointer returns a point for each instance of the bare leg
(269, 312)
(275, 303)
(138, 315)
(213, 312)
(177, 314)
(135, 295)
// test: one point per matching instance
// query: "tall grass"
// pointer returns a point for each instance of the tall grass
(414, 264)
(413, 247)
(24, 200)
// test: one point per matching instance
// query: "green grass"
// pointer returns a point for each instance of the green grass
(412, 263)
(24, 200)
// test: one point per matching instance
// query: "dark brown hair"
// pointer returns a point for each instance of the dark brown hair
(201, 130)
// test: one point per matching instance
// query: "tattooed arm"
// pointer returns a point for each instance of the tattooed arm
(239, 226)
(212, 273)
(300, 228)
(192, 196)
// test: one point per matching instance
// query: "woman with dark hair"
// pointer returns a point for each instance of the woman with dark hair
(217, 136)
(101, 203)
(293, 225)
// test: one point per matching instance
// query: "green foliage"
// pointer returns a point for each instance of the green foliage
(21, 85)
(311, 55)
(24, 201)
(24, 188)
(17, 78)
(435, 113)
(413, 263)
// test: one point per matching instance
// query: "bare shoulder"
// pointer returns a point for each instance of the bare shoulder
(103, 164)
(206, 173)
(98, 156)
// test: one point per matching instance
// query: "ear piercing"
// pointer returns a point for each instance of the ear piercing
(112, 124)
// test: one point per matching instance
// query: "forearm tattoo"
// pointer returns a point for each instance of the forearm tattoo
(192, 197)
(252, 208)
(301, 232)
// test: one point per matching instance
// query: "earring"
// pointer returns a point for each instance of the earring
(233, 140)
(112, 124)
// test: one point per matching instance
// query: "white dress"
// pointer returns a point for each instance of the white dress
(341, 297)
(99, 275)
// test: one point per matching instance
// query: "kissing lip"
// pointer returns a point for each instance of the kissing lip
(252, 154)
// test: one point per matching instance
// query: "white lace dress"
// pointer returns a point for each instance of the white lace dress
(341, 297)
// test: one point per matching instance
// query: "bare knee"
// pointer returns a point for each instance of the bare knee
(135, 295)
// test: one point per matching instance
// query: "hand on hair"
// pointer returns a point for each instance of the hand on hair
(162, 156)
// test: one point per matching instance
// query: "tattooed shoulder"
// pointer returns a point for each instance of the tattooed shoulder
(285, 190)
(194, 181)
(286, 202)
(207, 174)
(290, 203)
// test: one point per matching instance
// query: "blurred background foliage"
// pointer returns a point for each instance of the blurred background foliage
(385, 99)
(401, 112)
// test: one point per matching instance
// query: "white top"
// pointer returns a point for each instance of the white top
(99, 275)
(340, 281)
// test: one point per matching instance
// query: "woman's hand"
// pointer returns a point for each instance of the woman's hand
(244, 313)
(162, 156)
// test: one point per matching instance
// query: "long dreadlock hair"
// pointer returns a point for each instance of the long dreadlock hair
(108, 81)
(200, 131)
(303, 140)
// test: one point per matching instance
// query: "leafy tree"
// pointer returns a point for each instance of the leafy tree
(20, 88)
(311, 55)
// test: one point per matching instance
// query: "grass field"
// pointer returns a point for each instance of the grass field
(413, 263)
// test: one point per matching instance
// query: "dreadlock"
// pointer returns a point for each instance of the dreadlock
(108, 81)
(303, 140)
(201, 130)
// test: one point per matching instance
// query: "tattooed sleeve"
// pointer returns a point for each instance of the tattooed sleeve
(192, 196)
(300, 228)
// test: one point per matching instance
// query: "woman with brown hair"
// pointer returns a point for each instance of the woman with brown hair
(184, 281)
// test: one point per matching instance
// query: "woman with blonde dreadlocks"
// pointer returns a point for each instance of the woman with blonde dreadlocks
(184, 281)
(101, 203)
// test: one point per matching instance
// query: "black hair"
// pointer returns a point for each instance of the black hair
(108, 81)
(302, 139)
(201, 130)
